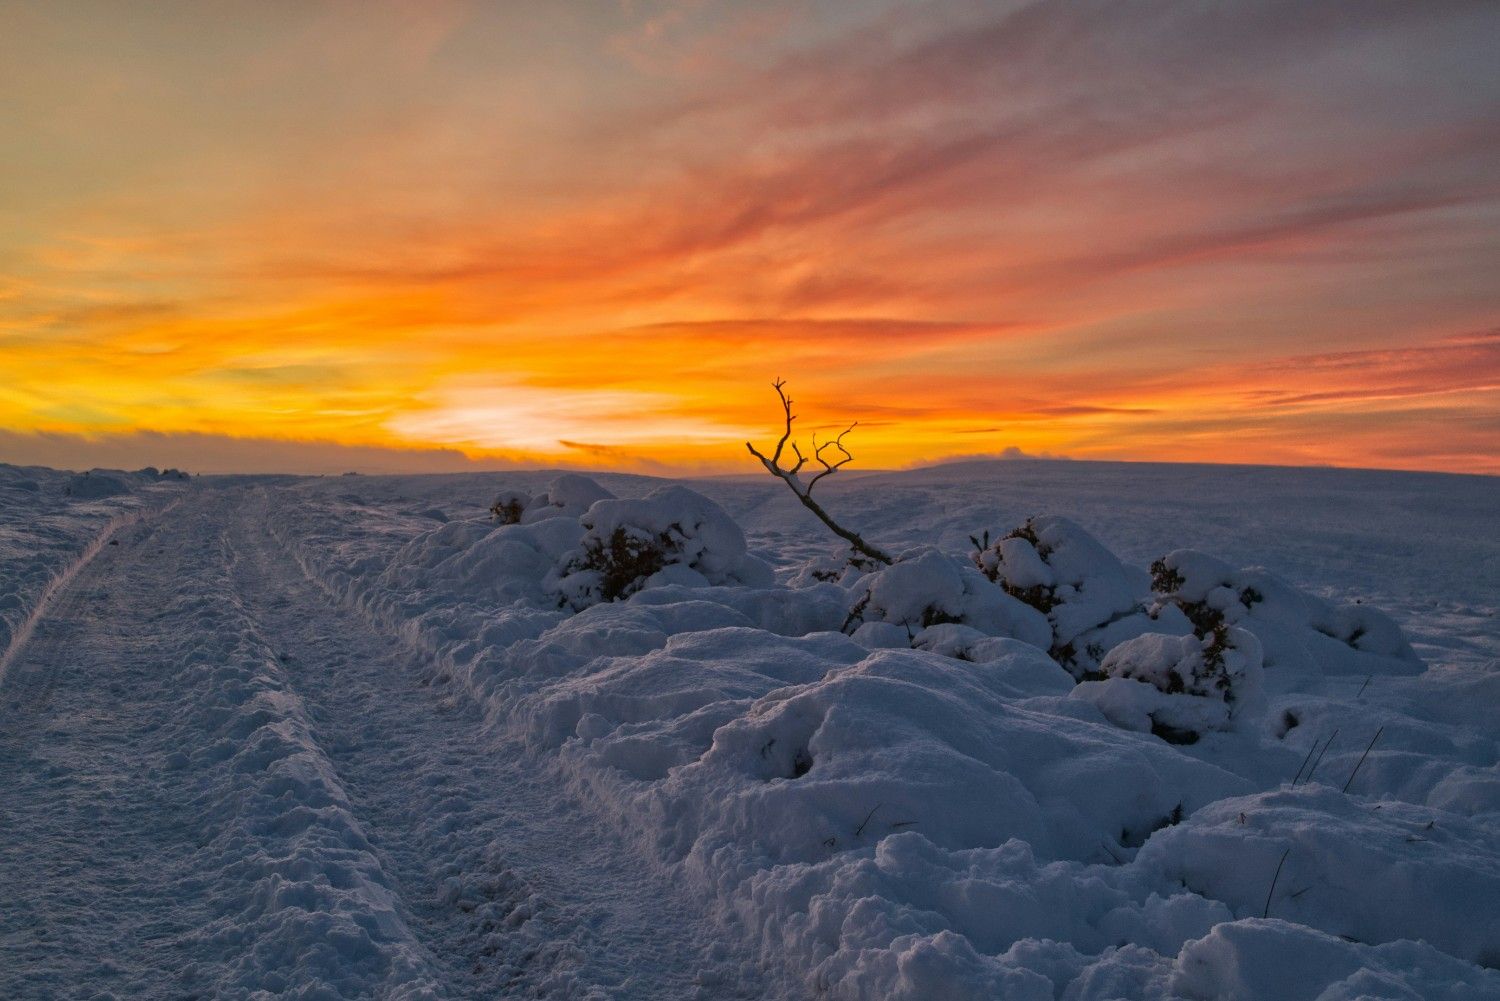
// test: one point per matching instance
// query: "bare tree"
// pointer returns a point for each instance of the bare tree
(804, 490)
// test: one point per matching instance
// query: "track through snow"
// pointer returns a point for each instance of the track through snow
(216, 783)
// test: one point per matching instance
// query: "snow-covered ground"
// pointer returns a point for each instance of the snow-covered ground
(1102, 731)
(52, 522)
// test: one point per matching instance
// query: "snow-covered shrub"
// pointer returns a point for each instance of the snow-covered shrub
(928, 588)
(671, 536)
(842, 566)
(1091, 600)
(1178, 687)
(622, 561)
(1206, 590)
(1298, 631)
(1220, 664)
(509, 506)
(570, 495)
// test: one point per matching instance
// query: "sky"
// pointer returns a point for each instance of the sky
(436, 235)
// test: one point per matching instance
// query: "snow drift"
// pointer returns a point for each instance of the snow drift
(1035, 772)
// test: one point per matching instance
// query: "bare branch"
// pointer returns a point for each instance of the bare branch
(804, 491)
(801, 461)
(830, 468)
(786, 405)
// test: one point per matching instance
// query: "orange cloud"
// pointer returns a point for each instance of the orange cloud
(1124, 232)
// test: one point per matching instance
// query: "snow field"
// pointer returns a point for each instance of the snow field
(264, 882)
(52, 523)
(305, 906)
(935, 806)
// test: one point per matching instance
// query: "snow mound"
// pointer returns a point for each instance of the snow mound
(1299, 632)
(893, 605)
(1276, 959)
(1179, 687)
(1092, 601)
(504, 564)
(98, 484)
(568, 496)
(1372, 872)
(928, 743)
(671, 536)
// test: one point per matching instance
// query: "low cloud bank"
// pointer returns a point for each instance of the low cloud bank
(1007, 454)
(208, 453)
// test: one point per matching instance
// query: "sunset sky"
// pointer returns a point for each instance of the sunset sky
(295, 235)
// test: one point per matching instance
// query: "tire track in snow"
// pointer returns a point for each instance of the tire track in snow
(515, 887)
(27, 627)
(171, 829)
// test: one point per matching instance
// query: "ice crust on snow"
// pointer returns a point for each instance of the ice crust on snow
(892, 780)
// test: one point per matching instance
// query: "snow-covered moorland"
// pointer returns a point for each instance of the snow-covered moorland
(51, 522)
(1100, 732)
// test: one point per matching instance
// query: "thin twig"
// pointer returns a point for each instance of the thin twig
(1364, 686)
(1267, 911)
(1324, 751)
(1305, 760)
(861, 828)
(1362, 758)
(829, 468)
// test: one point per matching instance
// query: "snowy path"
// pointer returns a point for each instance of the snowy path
(217, 782)
(93, 843)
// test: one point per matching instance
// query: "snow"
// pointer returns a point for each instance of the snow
(1299, 631)
(1091, 599)
(928, 588)
(1067, 759)
(671, 536)
(1184, 685)
(1371, 872)
(50, 523)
